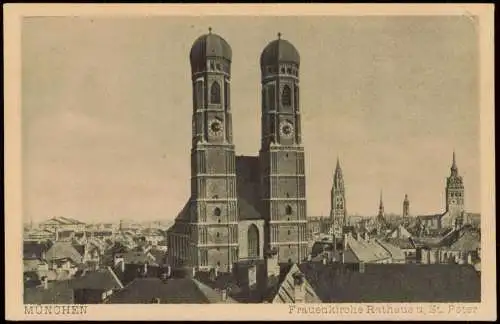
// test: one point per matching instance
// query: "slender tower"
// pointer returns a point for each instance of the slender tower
(338, 214)
(406, 207)
(454, 195)
(381, 215)
(282, 154)
(212, 228)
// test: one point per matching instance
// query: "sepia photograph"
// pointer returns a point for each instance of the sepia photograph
(327, 163)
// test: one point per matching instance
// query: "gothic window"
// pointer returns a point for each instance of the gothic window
(296, 98)
(289, 71)
(282, 70)
(218, 235)
(253, 241)
(217, 211)
(288, 210)
(226, 95)
(289, 232)
(215, 93)
(286, 96)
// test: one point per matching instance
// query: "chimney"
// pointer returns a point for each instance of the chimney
(224, 295)
(342, 257)
(145, 268)
(273, 268)
(298, 288)
(325, 258)
(45, 282)
(123, 265)
(252, 275)
(309, 257)
(169, 271)
(216, 271)
(469, 258)
(194, 272)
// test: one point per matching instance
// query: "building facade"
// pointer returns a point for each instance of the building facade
(242, 206)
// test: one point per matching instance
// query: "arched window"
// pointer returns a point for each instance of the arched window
(215, 93)
(286, 96)
(288, 210)
(253, 241)
(217, 211)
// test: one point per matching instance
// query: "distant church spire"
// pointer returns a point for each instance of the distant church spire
(338, 211)
(406, 207)
(454, 168)
(381, 205)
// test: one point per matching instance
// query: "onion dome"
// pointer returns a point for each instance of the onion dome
(279, 51)
(209, 46)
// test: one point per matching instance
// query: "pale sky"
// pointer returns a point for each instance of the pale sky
(107, 109)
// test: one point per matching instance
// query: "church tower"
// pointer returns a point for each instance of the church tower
(406, 207)
(381, 215)
(454, 194)
(213, 207)
(282, 154)
(338, 214)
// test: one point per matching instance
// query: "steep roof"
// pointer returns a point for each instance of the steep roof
(394, 282)
(171, 291)
(367, 250)
(104, 279)
(33, 250)
(469, 241)
(395, 252)
(63, 250)
(401, 242)
(56, 293)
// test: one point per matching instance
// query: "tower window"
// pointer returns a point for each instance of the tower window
(289, 71)
(286, 96)
(217, 66)
(288, 210)
(217, 211)
(218, 235)
(287, 195)
(282, 70)
(289, 232)
(215, 93)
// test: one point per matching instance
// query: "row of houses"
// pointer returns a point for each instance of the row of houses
(135, 279)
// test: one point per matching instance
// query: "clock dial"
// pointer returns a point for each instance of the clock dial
(286, 129)
(215, 127)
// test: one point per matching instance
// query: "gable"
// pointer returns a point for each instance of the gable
(286, 292)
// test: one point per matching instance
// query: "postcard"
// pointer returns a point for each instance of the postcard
(249, 162)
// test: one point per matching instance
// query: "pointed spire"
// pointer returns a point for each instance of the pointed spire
(279, 35)
(338, 164)
(210, 30)
(406, 197)
(454, 168)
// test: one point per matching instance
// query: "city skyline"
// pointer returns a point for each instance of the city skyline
(100, 141)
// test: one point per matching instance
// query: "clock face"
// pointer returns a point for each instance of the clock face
(215, 127)
(286, 129)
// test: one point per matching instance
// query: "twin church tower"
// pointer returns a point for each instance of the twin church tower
(243, 207)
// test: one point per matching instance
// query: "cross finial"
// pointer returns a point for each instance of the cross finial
(209, 30)
(279, 35)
